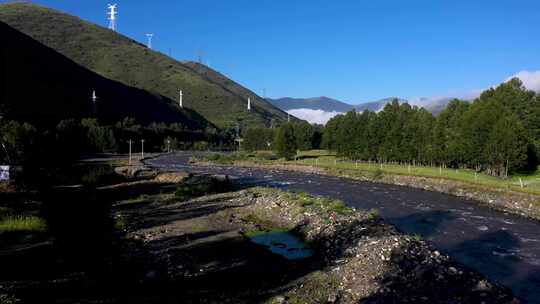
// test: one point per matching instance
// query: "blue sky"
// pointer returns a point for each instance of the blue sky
(352, 50)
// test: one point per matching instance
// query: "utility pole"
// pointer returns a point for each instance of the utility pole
(130, 142)
(142, 148)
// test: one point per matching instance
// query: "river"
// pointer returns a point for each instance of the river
(503, 247)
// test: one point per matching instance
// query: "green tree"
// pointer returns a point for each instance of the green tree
(506, 147)
(285, 142)
(99, 138)
(304, 134)
(258, 139)
(20, 140)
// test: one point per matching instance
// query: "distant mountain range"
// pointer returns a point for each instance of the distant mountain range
(319, 110)
(378, 105)
(316, 103)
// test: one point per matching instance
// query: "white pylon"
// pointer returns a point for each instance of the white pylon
(180, 101)
(149, 44)
(94, 100)
(249, 104)
(112, 16)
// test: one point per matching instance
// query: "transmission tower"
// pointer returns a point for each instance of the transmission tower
(149, 44)
(180, 101)
(112, 16)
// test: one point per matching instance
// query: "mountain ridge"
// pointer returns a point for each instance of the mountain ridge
(123, 59)
(62, 89)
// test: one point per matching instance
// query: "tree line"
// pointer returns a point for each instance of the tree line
(497, 133)
(25, 145)
(285, 140)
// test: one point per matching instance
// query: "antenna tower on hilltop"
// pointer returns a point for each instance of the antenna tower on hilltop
(149, 36)
(112, 16)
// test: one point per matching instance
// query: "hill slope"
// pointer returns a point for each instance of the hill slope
(41, 86)
(122, 59)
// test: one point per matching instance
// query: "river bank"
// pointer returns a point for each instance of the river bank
(519, 203)
(355, 257)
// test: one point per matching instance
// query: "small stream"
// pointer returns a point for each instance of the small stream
(503, 247)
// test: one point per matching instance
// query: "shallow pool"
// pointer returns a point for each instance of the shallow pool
(283, 243)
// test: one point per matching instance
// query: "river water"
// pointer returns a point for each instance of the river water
(503, 247)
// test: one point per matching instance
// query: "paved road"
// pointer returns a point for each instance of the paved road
(504, 247)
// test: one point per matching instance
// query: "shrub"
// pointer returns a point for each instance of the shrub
(195, 186)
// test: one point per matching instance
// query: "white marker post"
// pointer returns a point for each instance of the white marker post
(130, 142)
(142, 148)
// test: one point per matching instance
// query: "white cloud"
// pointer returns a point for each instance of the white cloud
(531, 80)
(313, 116)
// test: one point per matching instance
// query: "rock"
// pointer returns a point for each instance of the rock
(332, 298)
(279, 300)
(452, 270)
(171, 177)
(482, 285)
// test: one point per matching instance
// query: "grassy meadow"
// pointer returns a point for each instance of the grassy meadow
(522, 182)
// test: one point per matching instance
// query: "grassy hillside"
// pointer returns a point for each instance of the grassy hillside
(41, 86)
(117, 57)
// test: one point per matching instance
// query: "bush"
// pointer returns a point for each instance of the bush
(195, 186)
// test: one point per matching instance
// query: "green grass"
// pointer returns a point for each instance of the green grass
(531, 182)
(21, 223)
(327, 205)
(328, 160)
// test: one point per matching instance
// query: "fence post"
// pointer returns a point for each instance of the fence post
(521, 182)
